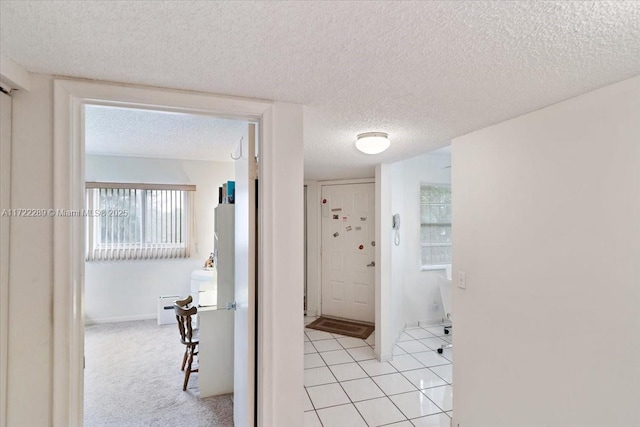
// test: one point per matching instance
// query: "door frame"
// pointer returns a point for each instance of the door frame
(306, 243)
(280, 224)
(319, 213)
(5, 246)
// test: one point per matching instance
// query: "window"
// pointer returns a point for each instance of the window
(435, 225)
(138, 221)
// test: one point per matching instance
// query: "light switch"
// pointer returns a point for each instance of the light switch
(462, 280)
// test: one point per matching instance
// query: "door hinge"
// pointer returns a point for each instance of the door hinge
(253, 168)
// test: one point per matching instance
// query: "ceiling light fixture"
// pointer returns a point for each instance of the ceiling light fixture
(373, 142)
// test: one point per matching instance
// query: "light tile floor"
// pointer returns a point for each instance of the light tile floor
(344, 384)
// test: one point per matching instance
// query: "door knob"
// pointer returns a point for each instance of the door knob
(373, 264)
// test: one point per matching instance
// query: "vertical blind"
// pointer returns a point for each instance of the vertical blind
(138, 221)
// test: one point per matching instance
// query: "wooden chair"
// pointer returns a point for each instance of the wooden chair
(187, 336)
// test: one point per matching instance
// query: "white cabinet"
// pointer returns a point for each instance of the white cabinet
(215, 352)
(215, 358)
(224, 251)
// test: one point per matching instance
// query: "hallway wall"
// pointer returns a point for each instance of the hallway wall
(416, 296)
(546, 210)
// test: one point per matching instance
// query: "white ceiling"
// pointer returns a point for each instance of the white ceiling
(144, 133)
(425, 72)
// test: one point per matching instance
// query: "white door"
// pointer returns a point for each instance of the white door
(348, 251)
(245, 284)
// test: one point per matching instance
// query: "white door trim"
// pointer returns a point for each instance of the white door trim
(319, 216)
(348, 181)
(68, 274)
(5, 232)
(14, 75)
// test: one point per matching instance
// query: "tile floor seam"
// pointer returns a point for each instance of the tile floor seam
(383, 392)
(398, 408)
(436, 374)
(420, 391)
(354, 405)
(431, 400)
(309, 396)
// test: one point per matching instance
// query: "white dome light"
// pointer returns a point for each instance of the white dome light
(373, 142)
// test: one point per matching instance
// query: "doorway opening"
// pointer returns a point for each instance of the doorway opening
(155, 176)
(347, 381)
(279, 222)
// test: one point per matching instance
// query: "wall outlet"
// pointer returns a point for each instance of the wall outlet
(462, 280)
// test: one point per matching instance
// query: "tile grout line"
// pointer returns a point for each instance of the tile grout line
(340, 382)
(379, 388)
(383, 392)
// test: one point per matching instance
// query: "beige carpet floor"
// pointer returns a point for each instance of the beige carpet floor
(133, 378)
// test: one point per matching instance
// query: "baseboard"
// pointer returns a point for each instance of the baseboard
(432, 322)
(386, 357)
(412, 324)
(423, 323)
(88, 321)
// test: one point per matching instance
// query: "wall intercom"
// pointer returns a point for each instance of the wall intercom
(396, 227)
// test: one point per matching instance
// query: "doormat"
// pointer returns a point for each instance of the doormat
(349, 328)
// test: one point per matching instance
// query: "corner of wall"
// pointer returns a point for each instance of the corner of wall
(384, 313)
(14, 75)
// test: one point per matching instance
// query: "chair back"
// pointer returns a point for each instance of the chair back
(185, 301)
(183, 316)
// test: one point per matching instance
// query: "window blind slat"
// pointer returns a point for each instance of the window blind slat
(156, 209)
(116, 219)
(111, 223)
(173, 218)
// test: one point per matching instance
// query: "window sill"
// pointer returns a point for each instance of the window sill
(434, 267)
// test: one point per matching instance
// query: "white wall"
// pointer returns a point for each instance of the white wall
(399, 253)
(384, 334)
(128, 290)
(414, 291)
(546, 210)
(31, 257)
(280, 269)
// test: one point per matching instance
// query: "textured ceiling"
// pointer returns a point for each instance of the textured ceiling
(144, 133)
(424, 72)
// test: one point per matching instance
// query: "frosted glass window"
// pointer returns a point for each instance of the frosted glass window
(435, 224)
